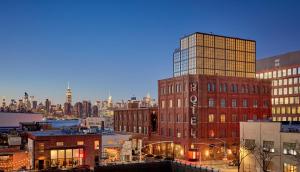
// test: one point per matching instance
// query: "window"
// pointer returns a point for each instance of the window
(211, 118)
(255, 103)
(289, 168)
(80, 142)
(96, 144)
(249, 143)
(170, 104)
(234, 118)
(41, 147)
(268, 146)
(222, 118)
(59, 143)
(294, 71)
(162, 104)
(223, 103)
(211, 102)
(178, 103)
(208, 87)
(234, 103)
(245, 103)
(289, 148)
(245, 117)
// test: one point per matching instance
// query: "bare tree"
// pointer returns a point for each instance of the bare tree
(264, 156)
(244, 151)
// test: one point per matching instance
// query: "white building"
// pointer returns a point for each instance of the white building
(116, 148)
(281, 142)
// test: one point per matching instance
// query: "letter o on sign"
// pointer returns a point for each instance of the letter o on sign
(193, 99)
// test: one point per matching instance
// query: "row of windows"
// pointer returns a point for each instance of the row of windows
(135, 129)
(134, 117)
(285, 110)
(211, 87)
(285, 100)
(286, 118)
(289, 81)
(234, 103)
(279, 73)
(218, 42)
(286, 91)
(211, 118)
(168, 132)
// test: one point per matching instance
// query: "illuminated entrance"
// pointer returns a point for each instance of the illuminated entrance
(165, 149)
(66, 158)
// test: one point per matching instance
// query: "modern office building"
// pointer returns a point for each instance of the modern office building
(284, 71)
(273, 142)
(208, 54)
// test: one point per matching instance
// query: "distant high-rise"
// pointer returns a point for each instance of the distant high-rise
(3, 102)
(87, 108)
(95, 111)
(67, 108)
(208, 54)
(78, 109)
(69, 95)
(47, 105)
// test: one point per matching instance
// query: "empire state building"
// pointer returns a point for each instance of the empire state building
(69, 95)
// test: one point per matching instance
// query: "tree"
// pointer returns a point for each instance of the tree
(245, 149)
(264, 156)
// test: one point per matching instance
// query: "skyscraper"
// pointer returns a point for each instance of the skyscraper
(69, 94)
(208, 54)
(87, 108)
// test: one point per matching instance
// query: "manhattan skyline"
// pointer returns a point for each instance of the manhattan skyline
(103, 47)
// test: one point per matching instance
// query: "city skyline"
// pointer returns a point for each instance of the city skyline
(34, 61)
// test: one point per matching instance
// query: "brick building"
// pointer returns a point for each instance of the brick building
(139, 121)
(63, 149)
(196, 110)
(284, 71)
(213, 88)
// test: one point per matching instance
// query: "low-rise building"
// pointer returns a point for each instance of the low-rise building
(12, 158)
(273, 144)
(63, 149)
(116, 148)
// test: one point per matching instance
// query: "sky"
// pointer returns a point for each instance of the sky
(123, 47)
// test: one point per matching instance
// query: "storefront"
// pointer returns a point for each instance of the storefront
(66, 158)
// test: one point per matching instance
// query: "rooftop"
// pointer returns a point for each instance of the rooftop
(287, 59)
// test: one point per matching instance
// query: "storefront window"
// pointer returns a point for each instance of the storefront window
(66, 158)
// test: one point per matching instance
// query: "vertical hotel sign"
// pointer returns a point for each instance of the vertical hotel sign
(193, 107)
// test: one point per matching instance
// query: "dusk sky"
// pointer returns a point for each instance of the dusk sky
(123, 46)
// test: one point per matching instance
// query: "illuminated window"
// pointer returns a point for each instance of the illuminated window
(289, 168)
(59, 143)
(80, 142)
(222, 118)
(211, 118)
(96, 144)
(41, 147)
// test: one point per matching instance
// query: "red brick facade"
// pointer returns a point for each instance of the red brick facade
(43, 145)
(200, 110)
(135, 120)
(205, 109)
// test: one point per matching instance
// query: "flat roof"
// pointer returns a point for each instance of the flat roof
(283, 60)
(233, 37)
(60, 133)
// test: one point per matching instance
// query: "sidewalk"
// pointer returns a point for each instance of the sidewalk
(216, 164)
